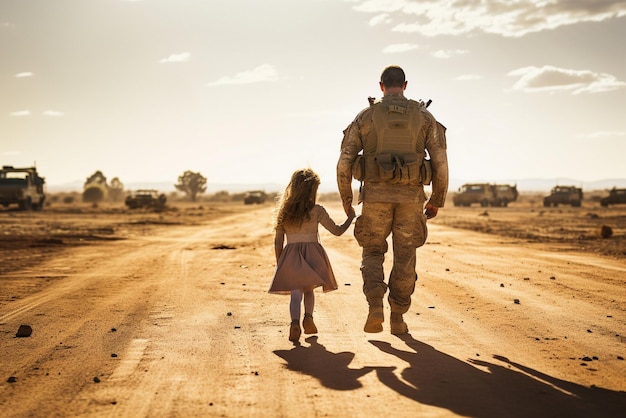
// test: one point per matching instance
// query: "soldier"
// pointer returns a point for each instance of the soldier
(394, 147)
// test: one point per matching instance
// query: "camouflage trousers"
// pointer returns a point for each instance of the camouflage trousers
(407, 225)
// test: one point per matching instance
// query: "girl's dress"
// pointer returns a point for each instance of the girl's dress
(303, 263)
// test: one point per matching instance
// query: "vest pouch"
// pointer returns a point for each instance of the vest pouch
(386, 166)
(358, 168)
(409, 168)
(426, 172)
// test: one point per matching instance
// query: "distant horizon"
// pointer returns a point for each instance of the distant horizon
(523, 185)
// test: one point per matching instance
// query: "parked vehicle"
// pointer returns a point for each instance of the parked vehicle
(564, 195)
(254, 196)
(22, 187)
(145, 198)
(485, 194)
(615, 197)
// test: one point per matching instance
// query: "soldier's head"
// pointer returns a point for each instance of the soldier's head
(393, 77)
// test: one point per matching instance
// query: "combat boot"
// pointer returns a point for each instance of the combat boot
(375, 318)
(398, 326)
(308, 324)
(294, 331)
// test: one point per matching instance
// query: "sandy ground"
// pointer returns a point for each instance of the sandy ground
(518, 312)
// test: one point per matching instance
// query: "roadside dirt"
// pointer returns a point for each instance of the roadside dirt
(518, 312)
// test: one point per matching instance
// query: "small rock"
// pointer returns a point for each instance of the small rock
(516, 301)
(552, 278)
(96, 379)
(113, 329)
(620, 358)
(12, 379)
(501, 284)
(586, 358)
(606, 231)
(229, 314)
(589, 331)
(24, 331)
(113, 355)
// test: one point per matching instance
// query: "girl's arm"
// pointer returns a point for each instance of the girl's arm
(329, 224)
(279, 240)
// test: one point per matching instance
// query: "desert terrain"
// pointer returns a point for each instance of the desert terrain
(518, 312)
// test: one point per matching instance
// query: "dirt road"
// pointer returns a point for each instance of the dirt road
(178, 323)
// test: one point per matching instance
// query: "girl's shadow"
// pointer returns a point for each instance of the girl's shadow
(503, 390)
(331, 369)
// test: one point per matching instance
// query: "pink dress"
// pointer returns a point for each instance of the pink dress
(303, 262)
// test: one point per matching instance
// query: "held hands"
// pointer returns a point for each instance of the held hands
(430, 211)
(351, 213)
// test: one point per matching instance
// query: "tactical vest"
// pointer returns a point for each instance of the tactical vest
(400, 153)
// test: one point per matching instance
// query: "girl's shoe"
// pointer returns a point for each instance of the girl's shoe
(309, 325)
(294, 331)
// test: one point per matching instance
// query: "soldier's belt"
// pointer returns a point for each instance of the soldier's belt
(394, 168)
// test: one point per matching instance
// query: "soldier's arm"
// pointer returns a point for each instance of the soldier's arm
(350, 147)
(437, 150)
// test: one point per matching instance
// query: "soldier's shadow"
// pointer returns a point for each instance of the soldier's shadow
(503, 390)
(331, 369)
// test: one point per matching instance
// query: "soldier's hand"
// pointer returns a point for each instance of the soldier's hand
(430, 211)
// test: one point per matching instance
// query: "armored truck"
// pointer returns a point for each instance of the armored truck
(145, 198)
(22, 187)
(615, 197)
(485, 194)
(254, 196)
(564, 195)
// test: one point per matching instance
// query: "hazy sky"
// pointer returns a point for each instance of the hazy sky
(246, 91)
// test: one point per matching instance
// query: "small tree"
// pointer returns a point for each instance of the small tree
(116, 190)
(191, 184)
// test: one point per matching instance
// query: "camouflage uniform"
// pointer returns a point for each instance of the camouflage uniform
(391, 208)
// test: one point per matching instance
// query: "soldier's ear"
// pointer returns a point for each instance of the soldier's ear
(382, 88)
(404, 86)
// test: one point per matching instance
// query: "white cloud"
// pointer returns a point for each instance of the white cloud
(550, 79)
(20, 113)
(182, 57)
(380, 19)
(398, 48)
(511, 19)
(53, 113)
(449, 53)
(24, 74)
(262, 73)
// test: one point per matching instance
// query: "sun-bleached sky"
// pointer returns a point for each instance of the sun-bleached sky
(246, 91)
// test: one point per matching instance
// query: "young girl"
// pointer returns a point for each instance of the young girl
(302, 265)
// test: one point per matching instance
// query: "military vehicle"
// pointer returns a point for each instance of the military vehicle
(254, 196)
(145, 198)
(485, 194)
(564, 195)
(22, 187)
(615, 197)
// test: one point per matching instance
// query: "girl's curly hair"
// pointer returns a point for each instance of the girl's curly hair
(298, 198)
